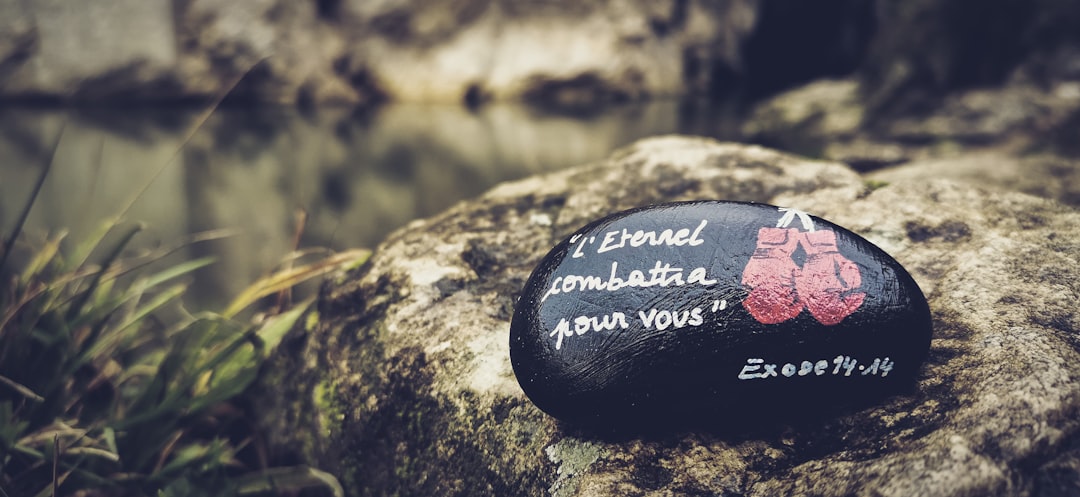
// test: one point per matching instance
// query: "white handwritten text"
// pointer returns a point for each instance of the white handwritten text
(662, 274)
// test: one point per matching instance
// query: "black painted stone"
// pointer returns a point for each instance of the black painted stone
(761, 313)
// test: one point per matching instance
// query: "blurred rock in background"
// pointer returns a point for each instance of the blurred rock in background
(359, 51)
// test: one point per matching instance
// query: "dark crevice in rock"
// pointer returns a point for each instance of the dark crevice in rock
(474, 96)
(1057, 475)
(546, 202)
(364, 83)
(948, 231)
(1054, 471)
(652, 476)
(360, 305)
(584, 95)
(427, 25)
(449, 286)
(394, 26)
(675, 20)
(256, 85)
(856, 436)
(328, 10)
(124, 84)
(929, 48)
(796, 41)
(357, 76)
(673, 185)
(948, 323)
(481, 258)
(870, 164)
(20, 48)
(1063, 138)
(335, 190)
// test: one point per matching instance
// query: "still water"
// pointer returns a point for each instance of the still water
(356, 176)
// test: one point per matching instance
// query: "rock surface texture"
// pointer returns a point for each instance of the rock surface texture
(400, 381)
(1019, 136)
(566, 52)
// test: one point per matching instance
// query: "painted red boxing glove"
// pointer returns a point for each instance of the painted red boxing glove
(771, 275)
(827, 279)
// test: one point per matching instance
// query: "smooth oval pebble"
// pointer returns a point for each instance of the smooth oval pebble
(712, 312)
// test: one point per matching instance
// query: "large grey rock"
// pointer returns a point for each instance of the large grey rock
(400, 382)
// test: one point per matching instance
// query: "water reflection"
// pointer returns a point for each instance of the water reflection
(358, 177)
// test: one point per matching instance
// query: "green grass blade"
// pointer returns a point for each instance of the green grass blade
(92, 188)
(214, 454)
(228, 382)
(283, 280)
(287, 480)
(275, 328)
(96, 345)
(167, 392)
(30, 201)
(11, 426)
(40, 261)
(266, 338)
(20, 389)
(148, 308)
(77, 306)
(177, 271)
(93, 240)
(92, 347)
